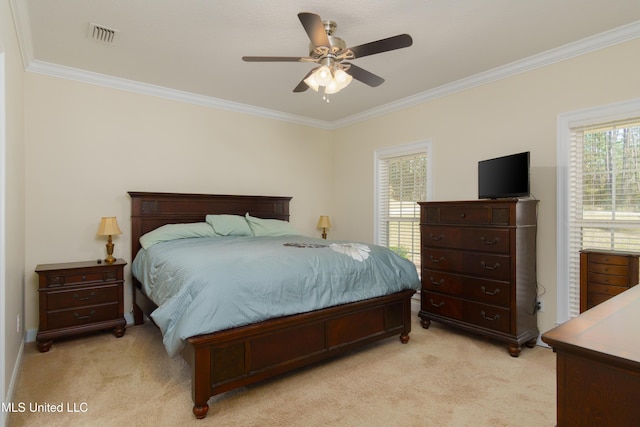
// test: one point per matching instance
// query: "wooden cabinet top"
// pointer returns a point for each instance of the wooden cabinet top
(41, 268)
(608, 332)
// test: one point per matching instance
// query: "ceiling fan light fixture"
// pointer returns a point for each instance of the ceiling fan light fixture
(323, 75)
(342, 78)
(312, 82)
(333, 79)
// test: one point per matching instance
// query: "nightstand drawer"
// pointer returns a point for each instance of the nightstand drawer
(76, 278)
(81, 297)
(82, 316)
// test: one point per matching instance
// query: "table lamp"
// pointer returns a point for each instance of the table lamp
(324, 223)
(109, 227)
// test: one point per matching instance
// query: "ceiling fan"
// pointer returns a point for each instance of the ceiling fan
(331, 54)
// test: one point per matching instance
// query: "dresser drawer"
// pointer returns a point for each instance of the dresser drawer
(609, 291)
(442, 305)
(489, 266)
(481, 290)
(80, 297)
(613, 269)
(487, 316)
(488, 291)
(606, 279)
(467, 214)
(446, 283)
(441, 237)
(603, 258)
(475, 239)
(82, 316)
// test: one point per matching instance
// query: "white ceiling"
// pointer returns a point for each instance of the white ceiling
(192, 49)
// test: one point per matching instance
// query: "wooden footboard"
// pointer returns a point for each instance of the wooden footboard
(237, 357)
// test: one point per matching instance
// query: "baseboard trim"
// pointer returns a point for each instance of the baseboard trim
(12, 384)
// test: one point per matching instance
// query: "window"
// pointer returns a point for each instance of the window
(601, 197)
(402, 180)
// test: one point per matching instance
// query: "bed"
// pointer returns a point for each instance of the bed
(235, 357)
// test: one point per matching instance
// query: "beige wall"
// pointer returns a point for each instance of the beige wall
(12, 261)
(508, 116)
(88, 145)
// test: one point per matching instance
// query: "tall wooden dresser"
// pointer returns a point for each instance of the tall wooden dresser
(605, 274)
(479, 268)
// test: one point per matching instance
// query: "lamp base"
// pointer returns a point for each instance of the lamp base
(110, 259)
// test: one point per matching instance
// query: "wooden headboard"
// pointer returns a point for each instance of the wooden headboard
(152, 210)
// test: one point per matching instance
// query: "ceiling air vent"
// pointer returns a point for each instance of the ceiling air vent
(101, 33)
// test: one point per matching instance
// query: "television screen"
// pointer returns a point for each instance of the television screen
(504, 177)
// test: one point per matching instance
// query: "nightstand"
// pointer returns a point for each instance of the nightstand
(78, 297)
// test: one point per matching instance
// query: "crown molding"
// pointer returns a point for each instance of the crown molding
(563, 53)
(83, 76)
(581, 47)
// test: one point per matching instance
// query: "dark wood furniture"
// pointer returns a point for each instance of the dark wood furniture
(598, 364)
(78, 297)
(225, 360)
(479, 268)
(605, 274)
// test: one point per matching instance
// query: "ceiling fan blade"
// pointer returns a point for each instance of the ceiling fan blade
(302, 86)
(314, 27)
(364, 76)
(384, 45)
(271, 59)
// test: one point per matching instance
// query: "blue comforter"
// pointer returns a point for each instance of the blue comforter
(203, 285)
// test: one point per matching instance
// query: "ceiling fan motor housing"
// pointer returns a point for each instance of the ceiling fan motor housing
(337, 45)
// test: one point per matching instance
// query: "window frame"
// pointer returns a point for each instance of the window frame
(565, 123)
(391, 152)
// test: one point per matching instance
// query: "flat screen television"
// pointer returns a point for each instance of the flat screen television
(504, 177)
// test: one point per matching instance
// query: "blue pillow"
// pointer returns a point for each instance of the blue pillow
(270, 227)
(229, 225)
(176, 231)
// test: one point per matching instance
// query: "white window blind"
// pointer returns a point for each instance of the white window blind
(604, 194)
(402, 183)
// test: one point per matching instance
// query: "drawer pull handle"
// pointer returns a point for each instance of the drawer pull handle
(484, 315)
(488, 267)
(436, 238)
(437, 261)
(91, 313)
(463, 215)
(436, 283)
(440, 304)
(484, 291)
(489, 242)
(87, 298)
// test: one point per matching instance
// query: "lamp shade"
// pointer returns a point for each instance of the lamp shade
(324, 222)
(108, 226)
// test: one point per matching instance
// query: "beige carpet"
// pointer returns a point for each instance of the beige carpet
(442, 377)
